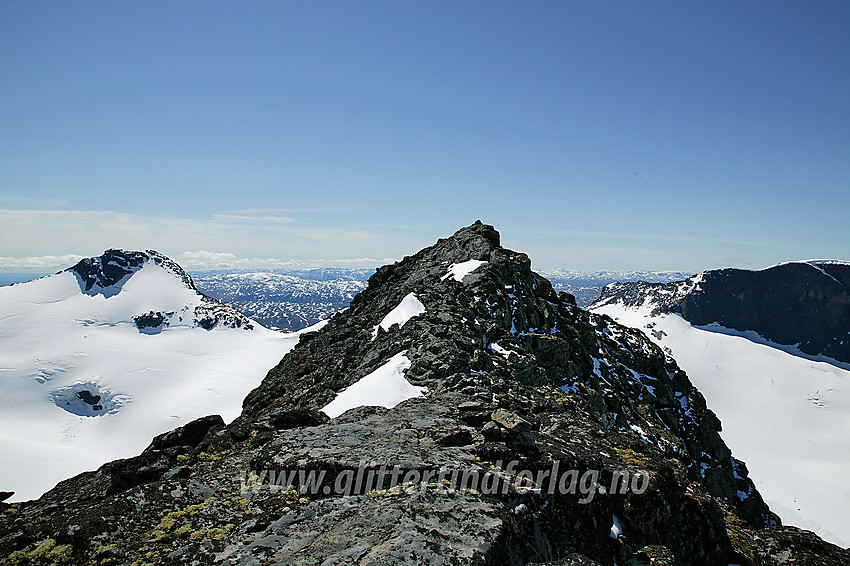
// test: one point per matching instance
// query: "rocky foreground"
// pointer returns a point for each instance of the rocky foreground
(515, 380)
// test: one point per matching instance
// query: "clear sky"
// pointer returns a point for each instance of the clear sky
(593, 134)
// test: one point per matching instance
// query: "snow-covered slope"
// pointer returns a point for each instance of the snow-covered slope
(787, 416)
(98, 359)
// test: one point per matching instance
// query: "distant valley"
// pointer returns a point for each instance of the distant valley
(285, 300)
(290, 300)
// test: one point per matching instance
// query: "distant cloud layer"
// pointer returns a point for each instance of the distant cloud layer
(252, 240)
(201, 260)
(193, 261)
(38, 264)
(42, 240)
(35, 233)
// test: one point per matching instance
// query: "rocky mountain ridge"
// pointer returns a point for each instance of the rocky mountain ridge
(516, 377)
(804, 304)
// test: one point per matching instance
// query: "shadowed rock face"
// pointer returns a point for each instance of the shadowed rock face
(805, 303)
(109, 269)
(789, 304)
(514, 373)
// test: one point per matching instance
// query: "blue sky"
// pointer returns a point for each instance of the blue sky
(619, 135)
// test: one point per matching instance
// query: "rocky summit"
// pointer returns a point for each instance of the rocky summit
(479, 418)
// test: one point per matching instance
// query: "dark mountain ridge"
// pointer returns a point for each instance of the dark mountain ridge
(518, 378)
(806, 304)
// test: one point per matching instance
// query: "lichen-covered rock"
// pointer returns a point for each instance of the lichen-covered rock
(785, 545)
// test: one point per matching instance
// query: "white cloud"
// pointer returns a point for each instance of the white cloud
(38, 264)
(205, 260)
(14, 200)
(43, 240)
(21, 230)
(251, 218)
(273, 211)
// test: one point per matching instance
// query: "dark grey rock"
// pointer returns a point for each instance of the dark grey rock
(510, 421)
(782, 546)
(190, 434)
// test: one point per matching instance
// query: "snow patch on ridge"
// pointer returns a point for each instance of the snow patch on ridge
(460, 270)
(812, 262)
(385, 387)
(616, 527)
(409, 307)
(504, 352)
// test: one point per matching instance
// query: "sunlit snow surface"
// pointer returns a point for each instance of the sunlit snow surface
(409, 307)
(786, 416)
(504, 352)
(386, 387)
(56, 341)
(460, 270)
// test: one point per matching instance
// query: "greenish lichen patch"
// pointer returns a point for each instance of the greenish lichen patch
(47, 552)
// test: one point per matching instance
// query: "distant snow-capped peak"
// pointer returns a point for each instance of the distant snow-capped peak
(111, 270)
(174, 299)
(102, 356)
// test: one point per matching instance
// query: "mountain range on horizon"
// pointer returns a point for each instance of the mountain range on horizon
(476, 360)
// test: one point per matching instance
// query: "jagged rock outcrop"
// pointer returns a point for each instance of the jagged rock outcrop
(520, 382)
(797, 303)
